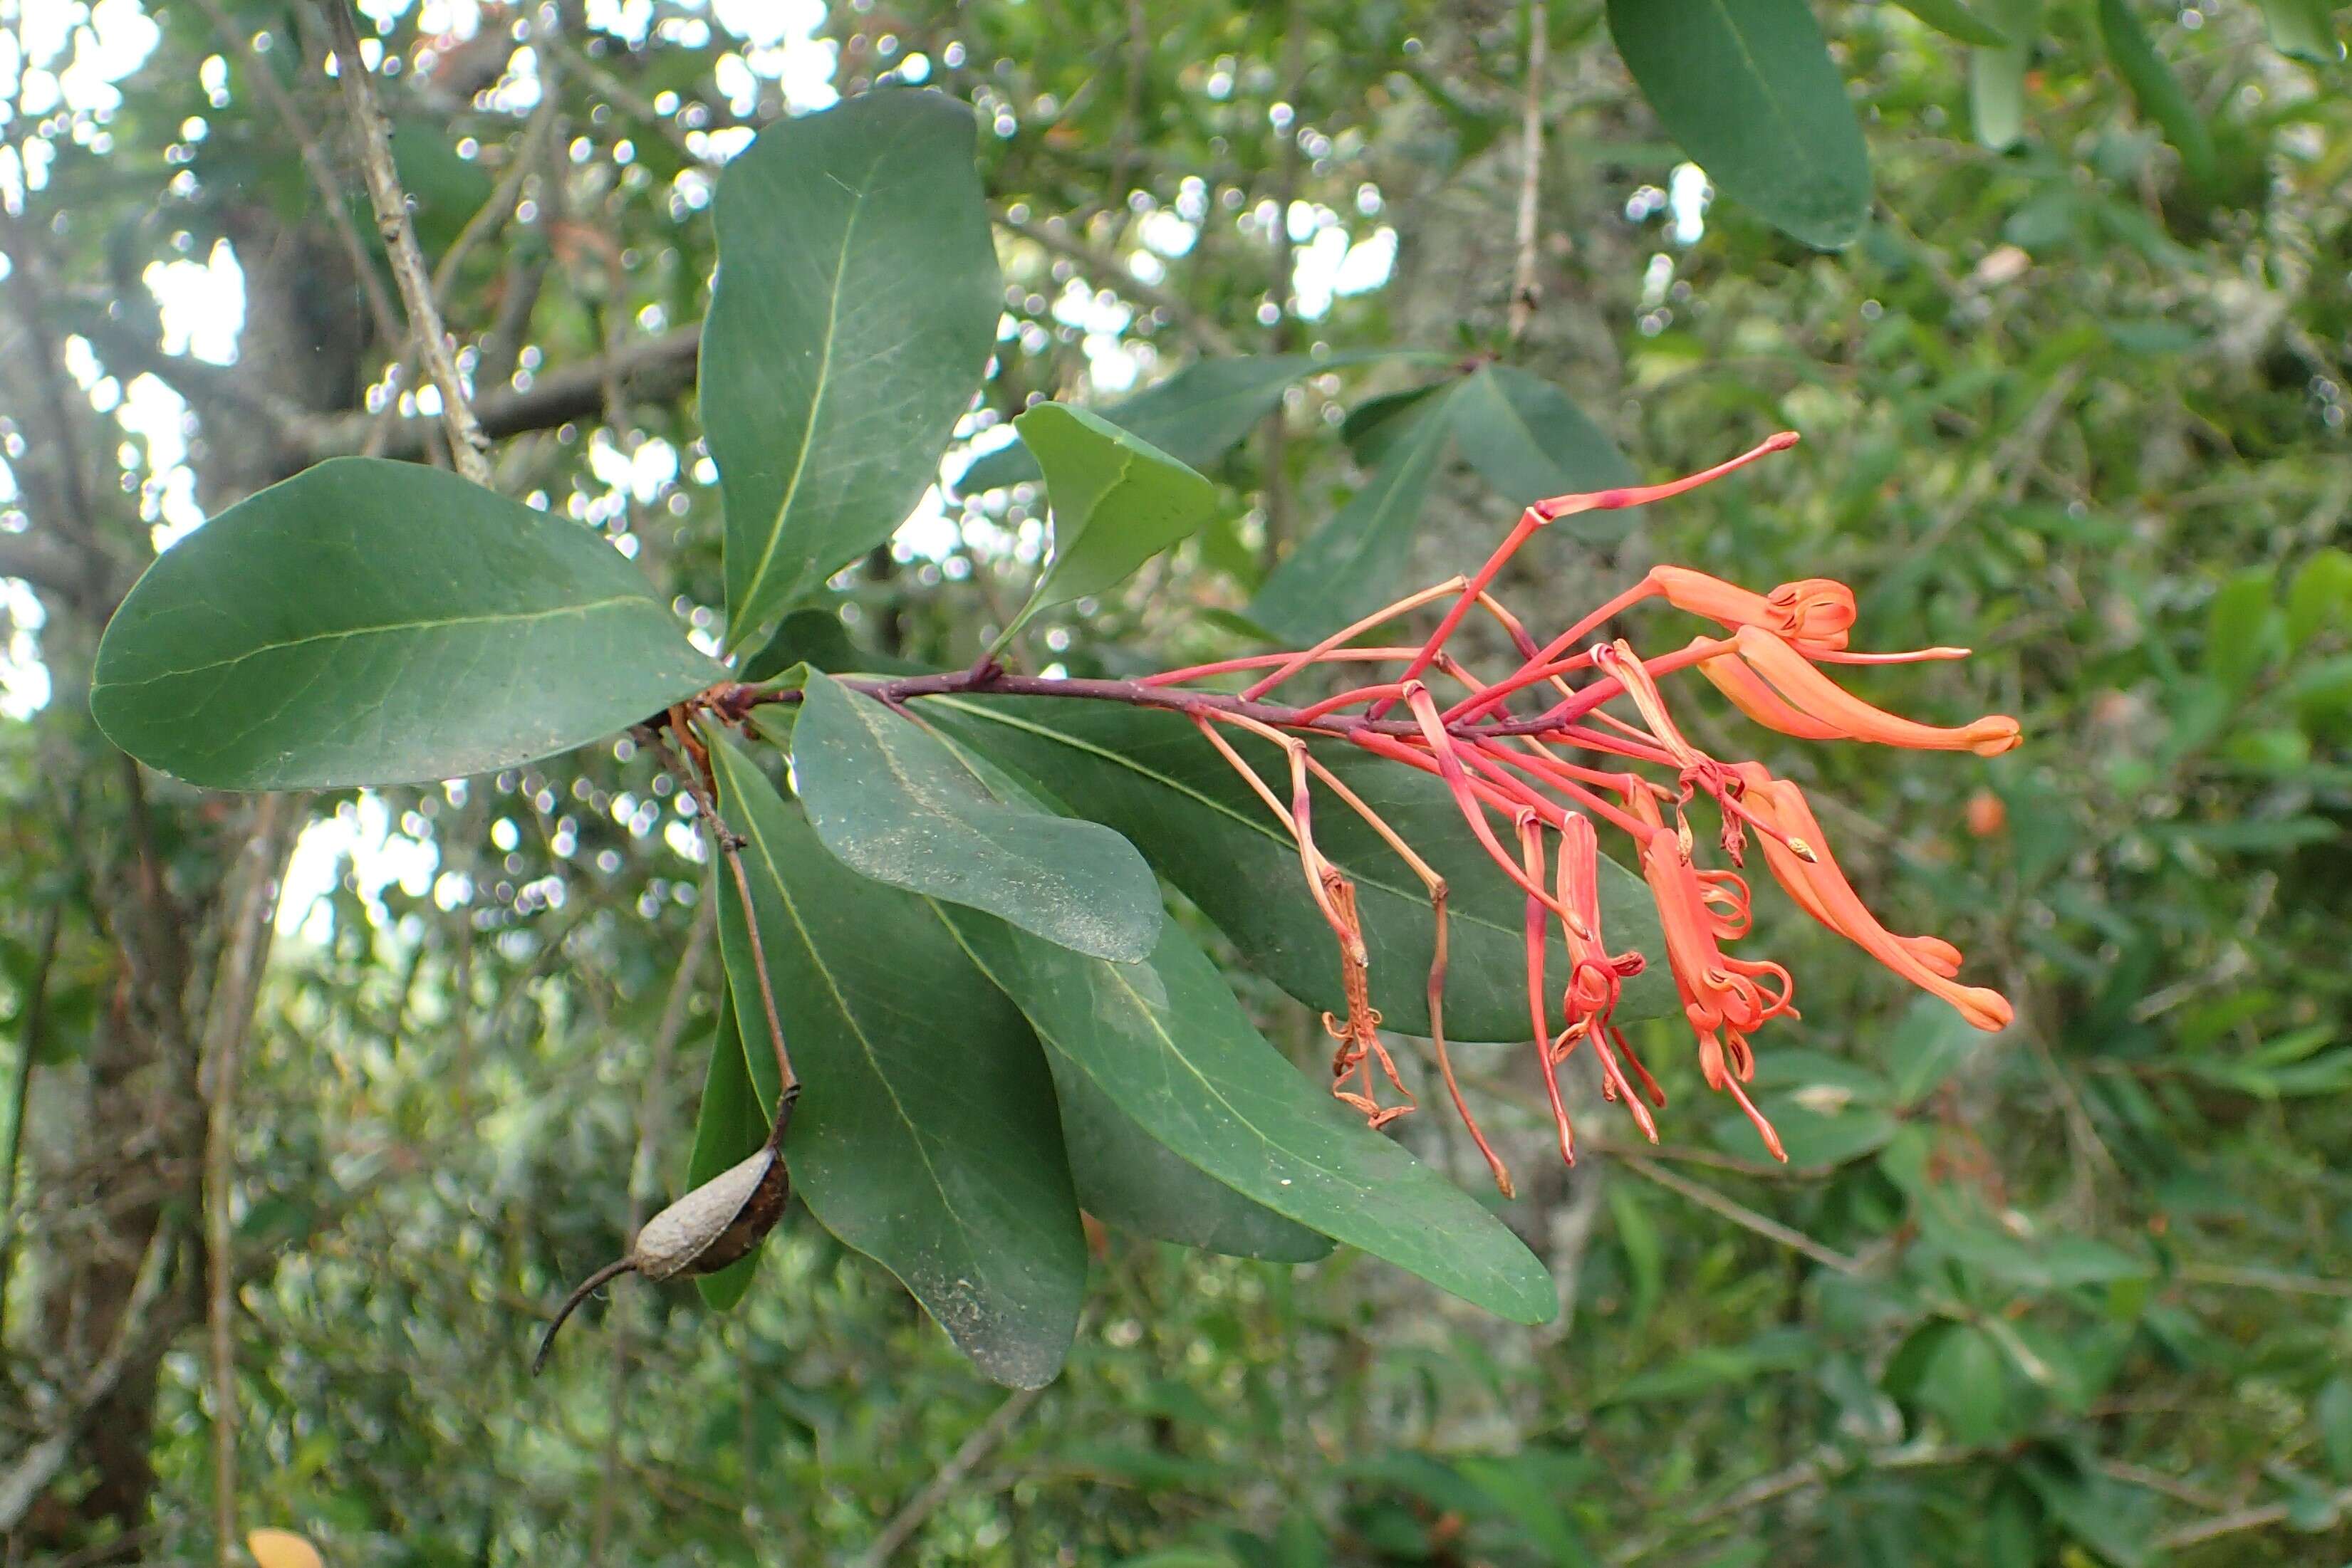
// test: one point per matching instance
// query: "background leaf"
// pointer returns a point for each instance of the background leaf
(1996, 75)
(1747, 88)
(2304, 29)
(1117, 500)
(375, 622)
(1528, 441)
(1955, 20)
(927, 1136)
(895, 805)
(2156, 90)
(1196, 415)
(1356, 561)
(856, 302)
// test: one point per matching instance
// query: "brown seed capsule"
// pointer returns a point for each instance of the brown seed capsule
(718, 1223)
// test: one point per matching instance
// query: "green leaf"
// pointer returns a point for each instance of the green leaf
(1997, 76)
(2332, 1411)
(1196, 415)
(1117, 500)
(1128, 1178)
(2243, 629)
(444, 189)
(816, 638)
(1356, 561)
(1815, 1129)
(928, 1136)
(1926, 1047)
(1528, 441)
(1748, 89)
(2320, 596)
(1373, 424)
(1169, 1044)
(376, 622)
(1125, 1175)
(1828, 1111)
(2110, 1519)
(855, 307)
(2304, 29)
(2156, 90)
(1965, 1384)
(895, 805)
(1955, 20)
(1637, 1234)
(1149, 774)
(1714, 1367)
(729, 1128)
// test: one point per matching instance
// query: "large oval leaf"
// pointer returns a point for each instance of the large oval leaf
(856, 307)
(1124, 1175)
(895, 805)
(376, 622)
(927, 1136)
(1749, 90)
(1169, 1044)
(1149, 774)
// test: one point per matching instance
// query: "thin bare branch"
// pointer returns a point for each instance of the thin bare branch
(323, 183)
(983, 1440)
(29, 1034)
(468, 448)
(1525, 296)
(1738, 1213)
(234, 996)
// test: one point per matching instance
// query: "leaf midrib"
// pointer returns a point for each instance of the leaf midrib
(388, 628)
(860, 195)
(841, 1003)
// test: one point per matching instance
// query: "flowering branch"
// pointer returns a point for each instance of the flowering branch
(1534, 810)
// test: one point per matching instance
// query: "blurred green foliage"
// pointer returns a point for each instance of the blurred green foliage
(2074, 1294)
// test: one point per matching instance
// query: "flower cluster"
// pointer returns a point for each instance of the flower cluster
(1529, 790)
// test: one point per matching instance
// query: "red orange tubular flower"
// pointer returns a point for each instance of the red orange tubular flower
(1577, 737)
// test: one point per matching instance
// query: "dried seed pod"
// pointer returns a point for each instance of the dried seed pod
(717, 1224)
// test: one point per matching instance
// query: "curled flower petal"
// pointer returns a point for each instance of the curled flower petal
(1821, 889)
(1813, 693)
(1816, 612)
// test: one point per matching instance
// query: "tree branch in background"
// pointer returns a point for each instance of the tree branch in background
(44, 563)
(952, 1475)
(1738, 1213)
(22, 1485)
(1114, 273)
(323, 181)
(487, 220)
(1278, 527)
(35, 1013)
(643, 1186)
(1525, 296)
(652, 370)
(468, 448)
(245, 956)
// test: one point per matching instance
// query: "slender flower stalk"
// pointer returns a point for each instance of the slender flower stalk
(1607, 752)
